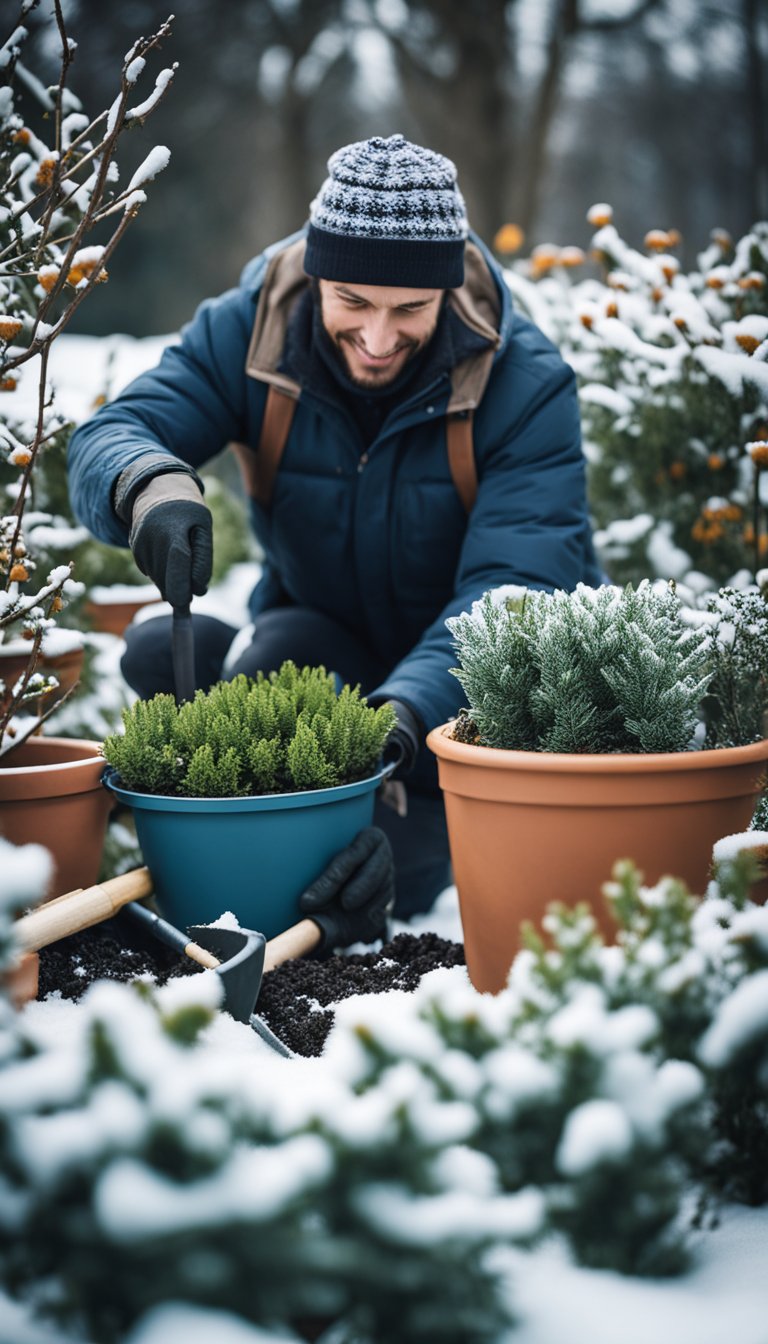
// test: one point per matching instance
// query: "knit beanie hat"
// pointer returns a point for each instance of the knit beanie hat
(389, 213)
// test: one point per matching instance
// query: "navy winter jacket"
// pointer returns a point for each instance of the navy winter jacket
(379, 542)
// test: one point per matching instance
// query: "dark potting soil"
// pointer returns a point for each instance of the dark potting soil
(293, 999)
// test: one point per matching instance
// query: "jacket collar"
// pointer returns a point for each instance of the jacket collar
(477, 304)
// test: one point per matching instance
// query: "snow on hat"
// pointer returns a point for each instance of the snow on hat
(389, 213)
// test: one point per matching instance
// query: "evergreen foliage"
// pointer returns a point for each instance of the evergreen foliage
(737, 700)
(278, 733)
(597, 670)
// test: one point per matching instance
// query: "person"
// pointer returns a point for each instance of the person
(407, 441)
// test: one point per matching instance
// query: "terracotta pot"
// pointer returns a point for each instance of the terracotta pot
(66, 667)
(527, 828)
(51, 793)
(113, 618)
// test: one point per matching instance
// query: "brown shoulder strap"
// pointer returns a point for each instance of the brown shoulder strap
(461, 458)
(258, 469)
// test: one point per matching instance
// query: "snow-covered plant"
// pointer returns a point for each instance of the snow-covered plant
(692, 964)
(277, 733)
(737, 701)
(58, 188)
(673, 373)
(596, 670)
(24, 874)
(276, 1190)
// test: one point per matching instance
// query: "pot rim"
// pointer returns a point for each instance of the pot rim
(259, 802)
(15, 771)
(503, 758)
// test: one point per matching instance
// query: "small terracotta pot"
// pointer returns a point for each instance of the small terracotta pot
(527, 828)
(66, 667)
(113, 618)
(51, 794)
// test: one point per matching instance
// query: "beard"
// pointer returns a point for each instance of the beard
(372, 378)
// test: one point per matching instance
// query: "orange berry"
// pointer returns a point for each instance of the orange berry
(612, 308)
(509, 238)
(10, 327)
(8, 384)
(677, 470)
(715, 461)
(44, 174)
(656, 240)
(18, 573)
(747, 343)
(22, 137)
(759, 454)
(47, 277)
(599, 215)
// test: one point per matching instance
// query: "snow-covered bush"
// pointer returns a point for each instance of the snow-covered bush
(673, 373)
(278, 1191)
(370, 1186)
(701, 969)
(58, 189)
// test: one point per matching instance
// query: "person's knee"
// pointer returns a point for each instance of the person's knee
(146, 660)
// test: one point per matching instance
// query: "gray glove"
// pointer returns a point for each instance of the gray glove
(172, 537)
(351, 900)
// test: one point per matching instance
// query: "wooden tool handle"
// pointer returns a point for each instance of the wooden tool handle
(78, 910)
(295, 942)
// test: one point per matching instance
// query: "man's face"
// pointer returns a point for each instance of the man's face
(377, 329)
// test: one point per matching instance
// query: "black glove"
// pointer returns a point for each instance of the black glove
(350, 902)
(405, 739)
(172, 544)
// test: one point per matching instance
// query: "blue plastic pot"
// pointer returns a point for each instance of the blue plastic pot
(253, 856)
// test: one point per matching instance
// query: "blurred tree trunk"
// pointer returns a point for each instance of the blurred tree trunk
(476, 128)
(754, 11)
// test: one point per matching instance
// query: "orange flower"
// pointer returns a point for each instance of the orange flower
(84, 271)
(20, 457)
(47, 277)
(599, 215)
(44, 174)
(680, 323)
(22, 137)
(670, 267)
(758, 451)
(715, 461)
(586, 320)
(57, 604)
(571, 256)
(677, 470)
(657, 294)
(656, 240)
(747, 343)
(723, 239)
(752, 281)
(18, 574)
(612, 309)
(544, 257)
(8, 384)
(714, 282)
(508, 239)
(9, 327)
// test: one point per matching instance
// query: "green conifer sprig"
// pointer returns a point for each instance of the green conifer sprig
(279, 733)
(596, 670)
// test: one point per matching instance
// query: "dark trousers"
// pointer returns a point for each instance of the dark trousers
(420, 839)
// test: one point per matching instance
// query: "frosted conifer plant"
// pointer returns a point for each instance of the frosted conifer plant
(597, 670)
(59, 192)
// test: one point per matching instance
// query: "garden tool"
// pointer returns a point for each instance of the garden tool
(183, 653)
(241, 957)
